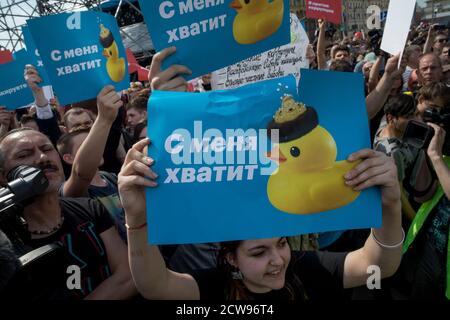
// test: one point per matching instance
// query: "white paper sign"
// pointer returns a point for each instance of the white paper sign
(398, 22)
(275, 63)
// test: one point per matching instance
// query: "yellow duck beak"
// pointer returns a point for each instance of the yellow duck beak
(272, 155)
(235, 4)
(106, 54)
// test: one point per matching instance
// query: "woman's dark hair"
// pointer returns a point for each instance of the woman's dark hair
(236, 289)
(401, 105)
(435, 91)
(341, 66)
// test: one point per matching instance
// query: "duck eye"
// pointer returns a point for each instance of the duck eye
(247, 1)
(295, 152)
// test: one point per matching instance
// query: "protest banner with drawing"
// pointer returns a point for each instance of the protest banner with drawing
(234, 157)
(82, 52)
(210, 35)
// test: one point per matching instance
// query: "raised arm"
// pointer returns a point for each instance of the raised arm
(88, 157)
(33, 80)
(120, 285)
(383, 247)
(321, 58)
(377, 98)
(435, 154)
(430, 39)
(151, 276)
(374, 76)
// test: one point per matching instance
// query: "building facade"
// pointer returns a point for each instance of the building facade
(437, 11)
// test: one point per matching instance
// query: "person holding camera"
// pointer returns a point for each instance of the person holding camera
(436, 39)
(81, 225)
(425, 269)
(412, 168)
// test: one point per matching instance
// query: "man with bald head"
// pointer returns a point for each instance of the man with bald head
(81, 225)
(430, 69)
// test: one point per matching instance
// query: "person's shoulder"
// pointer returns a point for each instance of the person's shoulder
(81, 210)
(85, 207)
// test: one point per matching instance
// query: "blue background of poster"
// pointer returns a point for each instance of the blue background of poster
(211, 50)
(11, 77)
(20, 54)
(220, 211)
(51, 33)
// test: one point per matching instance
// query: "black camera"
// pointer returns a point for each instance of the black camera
(439, 27)
(418, 41)
(375, 37)
(331, 30)
(419, 134)
(25, 183)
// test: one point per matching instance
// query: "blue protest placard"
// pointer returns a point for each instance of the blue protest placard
(14, 91)
(20, 54)
(221, 178)
(34, 55)
(210, 35)
(82, 52)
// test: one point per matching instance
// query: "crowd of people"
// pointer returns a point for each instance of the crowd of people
(93, 154)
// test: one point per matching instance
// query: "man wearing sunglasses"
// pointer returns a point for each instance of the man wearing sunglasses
(439, 43)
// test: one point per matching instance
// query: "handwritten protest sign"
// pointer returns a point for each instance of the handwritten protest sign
(396, 30)
(275, 63)
(231, 167)
(82, 52)
(330, 10)
(33, 53)
(210, 35)
(14, 91)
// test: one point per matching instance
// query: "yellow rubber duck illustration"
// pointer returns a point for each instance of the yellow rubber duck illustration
(308, 179)
(256, 20)
(115, 66)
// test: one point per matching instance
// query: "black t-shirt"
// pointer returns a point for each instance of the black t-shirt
(320, 273)
(84, 221)
(108, 196)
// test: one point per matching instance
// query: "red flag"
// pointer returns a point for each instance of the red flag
(133, 66)
(142, 73)
(329, 10)
(130, 57)
(5, 56)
